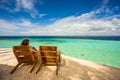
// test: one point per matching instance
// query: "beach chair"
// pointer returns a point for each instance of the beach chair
(50, 56)
(24, 54)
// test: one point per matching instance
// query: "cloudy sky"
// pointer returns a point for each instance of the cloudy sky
(59, 17)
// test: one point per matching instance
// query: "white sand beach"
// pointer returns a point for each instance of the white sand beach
(70, 69)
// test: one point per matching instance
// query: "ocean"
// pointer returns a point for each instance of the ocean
(103, 49)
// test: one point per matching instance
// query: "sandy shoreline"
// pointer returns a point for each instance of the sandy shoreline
(70, 69)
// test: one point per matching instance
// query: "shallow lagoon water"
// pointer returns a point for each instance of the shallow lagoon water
(105, 52)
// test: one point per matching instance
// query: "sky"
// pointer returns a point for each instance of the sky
(59, 17)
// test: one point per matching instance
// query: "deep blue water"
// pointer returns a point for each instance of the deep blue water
(116, 38)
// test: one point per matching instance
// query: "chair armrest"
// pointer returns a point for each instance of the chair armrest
(38, 52)
(58, 55)
(39, 55)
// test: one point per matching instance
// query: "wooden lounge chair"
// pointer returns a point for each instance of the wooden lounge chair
(49, 55)
(24, 54)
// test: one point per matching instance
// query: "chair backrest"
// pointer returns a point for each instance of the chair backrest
(48, 54)
(23, 54)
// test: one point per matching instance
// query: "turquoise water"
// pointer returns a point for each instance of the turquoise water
(100, 51)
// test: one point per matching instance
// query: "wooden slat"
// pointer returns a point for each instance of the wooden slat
(49, 56)
(24, 55)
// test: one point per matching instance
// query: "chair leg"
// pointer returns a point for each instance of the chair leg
(59, 59)
(33, 67)
(39, 68)
(57, 69)
(15, 68)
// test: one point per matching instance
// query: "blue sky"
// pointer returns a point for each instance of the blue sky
(59, 18)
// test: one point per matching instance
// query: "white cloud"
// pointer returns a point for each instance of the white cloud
(42, 15)
(25, 23)
(105, 2)
(5, 25)
(72, 25)
(85, 24)
(75, 26)
(20, 5)
(116, 22)
(7, 28)
(26, 5)
(53, 19)
(92, 23)
(6, 8)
